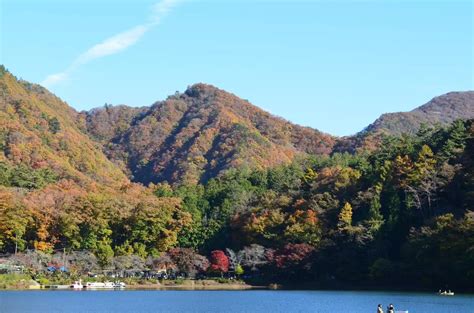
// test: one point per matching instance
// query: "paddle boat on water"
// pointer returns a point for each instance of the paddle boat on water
(446, 293)
(99, 285)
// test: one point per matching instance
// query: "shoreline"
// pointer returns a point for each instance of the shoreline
(209, 284)
(150, 287)
(225, 287)
(184, 285)
(228, 287)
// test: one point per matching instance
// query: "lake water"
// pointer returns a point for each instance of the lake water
(261, 301)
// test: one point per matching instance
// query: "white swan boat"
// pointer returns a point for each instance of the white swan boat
(119, 284)
(77, 285)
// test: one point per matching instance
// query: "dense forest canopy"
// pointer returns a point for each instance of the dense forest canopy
(396, 213)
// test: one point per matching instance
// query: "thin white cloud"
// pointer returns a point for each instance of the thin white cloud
(55, 78)
(162, 8)
(114, 44)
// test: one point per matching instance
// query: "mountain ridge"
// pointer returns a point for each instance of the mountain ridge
(443, 109)
(184, 133)
(440, 110)
(190, 136)
(204, 131)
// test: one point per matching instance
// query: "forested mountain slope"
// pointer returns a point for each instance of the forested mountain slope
(41, 135)
(292, 209)
(106, 123)
(441, 110)
(57, 187)
(196, 135)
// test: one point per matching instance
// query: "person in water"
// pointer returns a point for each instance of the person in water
(390, 309)
(379, 309)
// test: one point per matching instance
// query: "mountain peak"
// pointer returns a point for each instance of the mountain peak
(199, 134)
(451, 105)
(201, 89)
(441, 110)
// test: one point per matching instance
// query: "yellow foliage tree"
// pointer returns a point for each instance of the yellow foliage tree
(345, 217)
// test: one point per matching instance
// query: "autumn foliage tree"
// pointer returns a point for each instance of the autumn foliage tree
(14, 221)
(219, 262)
(345, 216)
(292, 255)
(188, 261)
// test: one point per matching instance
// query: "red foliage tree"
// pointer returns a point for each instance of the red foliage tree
(292, 254)
(219, 261)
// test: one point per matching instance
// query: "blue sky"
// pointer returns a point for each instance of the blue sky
(331, 65)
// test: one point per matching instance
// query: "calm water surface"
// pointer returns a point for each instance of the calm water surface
(228, 301)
